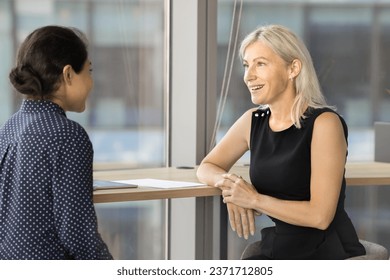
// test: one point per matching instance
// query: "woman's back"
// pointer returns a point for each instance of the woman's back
(46, 208)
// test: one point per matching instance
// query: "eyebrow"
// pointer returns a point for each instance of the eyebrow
(256, 58)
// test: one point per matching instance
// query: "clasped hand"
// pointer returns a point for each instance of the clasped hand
(237, 193)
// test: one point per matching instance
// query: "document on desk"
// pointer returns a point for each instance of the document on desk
(161, 184)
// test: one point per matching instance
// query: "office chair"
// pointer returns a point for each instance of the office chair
(374, 251)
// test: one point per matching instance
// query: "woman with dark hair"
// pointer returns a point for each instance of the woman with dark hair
(46, 207)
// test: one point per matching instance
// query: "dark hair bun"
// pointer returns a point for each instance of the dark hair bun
(43, 55)
(26, 81)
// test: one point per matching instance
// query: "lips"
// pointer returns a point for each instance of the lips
(257, 87)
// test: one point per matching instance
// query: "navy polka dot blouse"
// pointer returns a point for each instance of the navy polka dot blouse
(46, 207)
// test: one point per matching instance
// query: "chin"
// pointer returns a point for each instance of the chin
(256, 101)
(79, 110)
(82, 108)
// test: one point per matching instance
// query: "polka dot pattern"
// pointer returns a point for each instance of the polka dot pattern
(46, 207)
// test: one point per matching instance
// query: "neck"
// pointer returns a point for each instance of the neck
(280, 118)
(281, 111)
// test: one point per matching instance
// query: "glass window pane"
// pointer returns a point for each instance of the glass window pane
(6, 58)
(383, 93)
(133, 230)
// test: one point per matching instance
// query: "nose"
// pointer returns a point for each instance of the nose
(249, 74)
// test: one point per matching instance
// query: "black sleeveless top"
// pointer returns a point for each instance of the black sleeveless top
(280, 167)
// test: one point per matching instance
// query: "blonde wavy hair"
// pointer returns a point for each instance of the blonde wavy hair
(289, 47)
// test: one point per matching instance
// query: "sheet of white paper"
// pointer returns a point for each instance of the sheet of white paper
(163, 184)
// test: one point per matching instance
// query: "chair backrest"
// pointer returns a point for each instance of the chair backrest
(251, 249)
(374, 251)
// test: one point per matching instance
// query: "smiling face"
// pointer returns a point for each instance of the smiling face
(266, 75)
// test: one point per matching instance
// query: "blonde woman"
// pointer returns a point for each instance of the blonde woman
(298, 147)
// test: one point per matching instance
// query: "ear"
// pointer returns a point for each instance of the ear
(295, 68)
(67, 73)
